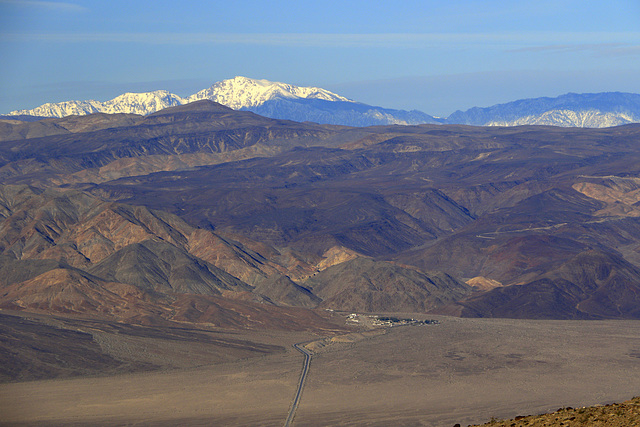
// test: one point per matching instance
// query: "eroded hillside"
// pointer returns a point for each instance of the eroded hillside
(203, 200)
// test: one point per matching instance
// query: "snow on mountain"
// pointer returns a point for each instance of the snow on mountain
(242, 92)
(132, 103)
(570, 110)
(237, 93)
(285, 101)
(346, 113)
(142, 103)
(270, 99)
(568, 118)
(62, 109)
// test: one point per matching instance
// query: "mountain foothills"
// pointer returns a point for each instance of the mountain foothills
(285, 101)
(201, 213)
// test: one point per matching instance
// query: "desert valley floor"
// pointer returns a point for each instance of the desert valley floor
(459, 371)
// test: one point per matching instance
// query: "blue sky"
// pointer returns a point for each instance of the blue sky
(433, 56)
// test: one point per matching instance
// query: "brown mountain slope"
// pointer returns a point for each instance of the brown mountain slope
(14, 270)
(311, 200)
(84, 230)
(517, 244)
(231, 256)
(126, 244)
(112, 244)
(75, 228)
(80, 228)
(199, 127)
(403, 190)
(226, 313)
(156, 266)
(281, 290)
(592, 285)
(70, 292)
(11, 130)
(67, 291)
(366, 285)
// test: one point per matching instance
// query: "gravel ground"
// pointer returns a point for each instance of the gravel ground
(623, 414)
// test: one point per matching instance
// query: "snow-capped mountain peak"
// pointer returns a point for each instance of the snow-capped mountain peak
(237, 93)
(243, 92)
(132, 103)
(142, 103)
(290, 102)
(62, 109)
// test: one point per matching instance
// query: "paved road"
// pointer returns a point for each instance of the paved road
(303, 377)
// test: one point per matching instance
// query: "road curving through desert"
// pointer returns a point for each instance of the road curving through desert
(303, 377)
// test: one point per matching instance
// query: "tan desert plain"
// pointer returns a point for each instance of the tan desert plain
(457, 371)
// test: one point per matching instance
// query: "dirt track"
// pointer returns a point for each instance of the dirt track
(461, 371)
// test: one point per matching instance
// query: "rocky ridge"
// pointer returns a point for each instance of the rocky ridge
(610, 415)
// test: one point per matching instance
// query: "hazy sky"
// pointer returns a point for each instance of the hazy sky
(435, 56)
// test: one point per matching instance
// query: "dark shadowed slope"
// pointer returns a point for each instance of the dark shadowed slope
(592, 285)
(161, 267)
(366, 285)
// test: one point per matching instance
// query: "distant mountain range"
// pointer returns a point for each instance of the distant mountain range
(269, 99)
(589, 110)
(285, 101)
